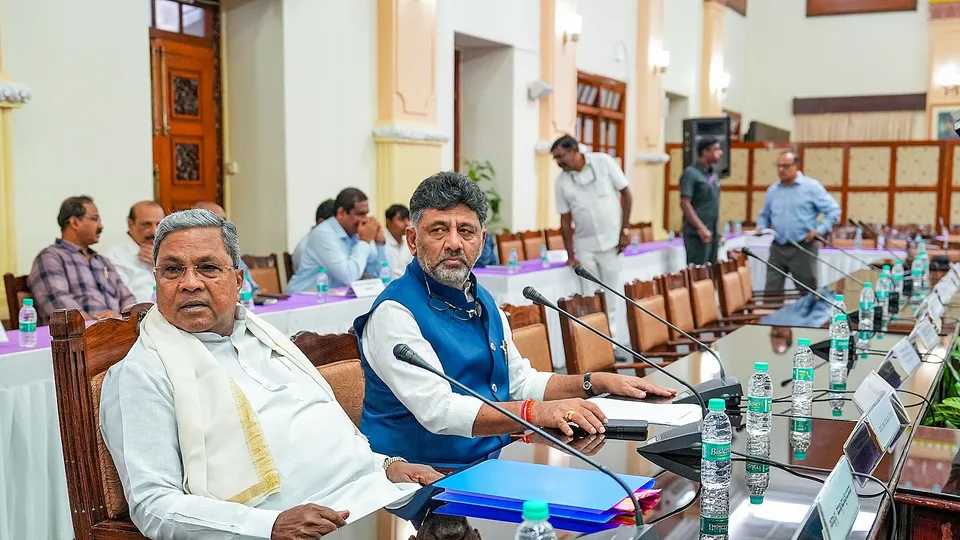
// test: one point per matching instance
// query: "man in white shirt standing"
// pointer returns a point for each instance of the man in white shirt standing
(594, 201)
(398, 219)
(219, 426)
(133, 256)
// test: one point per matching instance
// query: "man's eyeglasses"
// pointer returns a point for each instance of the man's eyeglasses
(95, 219)
(441, 305)
(785, 165)
(172, 272)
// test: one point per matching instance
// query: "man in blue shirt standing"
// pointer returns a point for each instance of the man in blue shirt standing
(350, 246)
(791, 209)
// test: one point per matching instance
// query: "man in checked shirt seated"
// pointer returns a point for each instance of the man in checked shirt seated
(69, 274)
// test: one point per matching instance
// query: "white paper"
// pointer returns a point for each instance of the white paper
(927, 333)
(936, 306)
(367, 287)
(664, 414)
(884, 422)
(3, 337)
(872, 388)
(557, 256)
(905, 355)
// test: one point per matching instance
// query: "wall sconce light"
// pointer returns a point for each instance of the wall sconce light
(720, 82)
(948, 78)
(573, 28)
(14, 94)
(660, 60)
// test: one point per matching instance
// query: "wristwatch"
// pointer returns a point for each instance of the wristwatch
(587, 385)
(625, 232)
(391, 460)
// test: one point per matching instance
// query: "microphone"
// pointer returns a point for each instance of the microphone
(534, 296)
(404, 353)
(749, 253)
(724, 386)
(863, 226)
(825, 242)
(797, 245)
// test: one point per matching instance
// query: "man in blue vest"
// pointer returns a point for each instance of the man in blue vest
(439, 310)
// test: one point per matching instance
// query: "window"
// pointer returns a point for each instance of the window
(186, 20)
(600, 114)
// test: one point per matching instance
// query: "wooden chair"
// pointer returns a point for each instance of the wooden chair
(554, 239)
(288, 265)
(730, 289)
(703, 298)
(81, 357)
(585, 351)
(17, 290)
(649, 336)
(754, 297)
(265, 271)
(532, 240)
(851, 243)
(646, 231)
(748, 226)
(337, 358)
(530, 335)
(506, 242)
(679, 307)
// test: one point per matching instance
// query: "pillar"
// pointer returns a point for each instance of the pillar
(558, 111)
(650, 157)
(944, 35)
(711, 67)
(408, 141)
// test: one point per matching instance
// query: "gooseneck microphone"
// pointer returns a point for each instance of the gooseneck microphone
(534, 296)
(404, 353)
(749, 253)
(809, 253)
(724, 386)
(825, 242)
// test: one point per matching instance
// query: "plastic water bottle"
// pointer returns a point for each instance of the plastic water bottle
(802, 372)
(671, 235)
(153, 295)
(839, 350)
(839, 307)
(385, 274)
(726, 229)
(28, 324)
(246, 294)
(323, 285)
(945, 233)
(544, 260)
(759, 400)
(801, 429)
(897, 272)
(716, 436)
(865, 323)
(758, 474)
(858, 239)
(884, 287)
(513, 261)
(916, 276)
(737, 228)
(881, 241)
(635, 241)
(925, 277)
(535, 525)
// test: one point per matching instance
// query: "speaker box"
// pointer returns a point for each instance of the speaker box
(695, 129)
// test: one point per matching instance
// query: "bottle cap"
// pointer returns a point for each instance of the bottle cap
(762, 367)
(717, 404)
(837, 412)
(321, 270)
(799, 455)
(803, 342)
(385, 263)
(867, 285)
(28, 301)
(513, 250)
(899, 261)
(841, 316)
(535, 510)
(838, 297)
(886, 267)
(756, 499)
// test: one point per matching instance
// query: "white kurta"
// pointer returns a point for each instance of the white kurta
(320, 456)
(135, 274)
(397, 253)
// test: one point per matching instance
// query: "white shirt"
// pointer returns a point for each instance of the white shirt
(398, 254)
(592, 196)
(319, 454)
(135, 274)
(428, 397)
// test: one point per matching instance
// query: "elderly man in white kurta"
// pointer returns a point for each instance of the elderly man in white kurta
(218, 425)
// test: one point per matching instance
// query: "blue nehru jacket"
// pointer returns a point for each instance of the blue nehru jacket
(466, 354)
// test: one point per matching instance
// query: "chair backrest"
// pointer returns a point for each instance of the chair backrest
(554, 239)
(584, 350)
(646, 231)
(530, 335)
(81, 358)
(337, 358)
(646, 333)
(288, 265)
(265, 271)
(506, 242)
(730, 288)
(17, 289)
(703, 295)
(532, 240)
(677, 297)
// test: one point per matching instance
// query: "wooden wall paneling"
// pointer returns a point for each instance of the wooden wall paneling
(858, 104)
(818, 8)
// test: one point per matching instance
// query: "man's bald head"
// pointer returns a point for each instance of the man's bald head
(142, 221)
(213, 207)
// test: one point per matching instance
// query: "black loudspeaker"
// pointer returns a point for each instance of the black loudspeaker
(695, 129)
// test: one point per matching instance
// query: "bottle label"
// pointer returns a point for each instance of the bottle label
(800, 425)
(882, 295)
(840, 344)
(716, 451)
(866, 306)
(803, 374)
(322, 289)
(714, 526)
(759, 404)
(757, 468)
(246, 296)
(838, 387)
(28, 327)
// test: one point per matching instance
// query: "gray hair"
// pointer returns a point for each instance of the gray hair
(444, 191)
(194, 219)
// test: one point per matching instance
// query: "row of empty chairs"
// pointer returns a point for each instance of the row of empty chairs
(528, 243)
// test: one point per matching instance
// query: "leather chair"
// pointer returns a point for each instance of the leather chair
(337, 358)
(530, 335)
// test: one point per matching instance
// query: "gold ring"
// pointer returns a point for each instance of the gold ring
(569, 416)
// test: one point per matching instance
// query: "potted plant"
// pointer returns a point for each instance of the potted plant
(483, 174)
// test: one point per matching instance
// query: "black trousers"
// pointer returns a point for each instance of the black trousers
(697, 251)
(801, 266)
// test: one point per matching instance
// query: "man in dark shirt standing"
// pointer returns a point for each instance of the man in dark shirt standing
(700, 203)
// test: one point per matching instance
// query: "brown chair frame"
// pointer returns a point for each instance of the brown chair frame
(288, 268)
(14, 285)
(638, 290)
(580, 306)
(531, 241)
(521, 316)
(325, 349)
(265, 262)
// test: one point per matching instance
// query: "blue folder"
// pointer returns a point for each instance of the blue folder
(506, 516)
(516, 506)
(579, 490)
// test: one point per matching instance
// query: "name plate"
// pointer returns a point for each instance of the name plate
(871, 389)
(838, 502)
(928, 335)
(367, 287)
(936, 306)
(884, 421)
(906, 355)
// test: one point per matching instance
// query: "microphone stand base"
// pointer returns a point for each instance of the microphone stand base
(727, 388)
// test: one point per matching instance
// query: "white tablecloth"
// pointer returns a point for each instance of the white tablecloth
(33, 490)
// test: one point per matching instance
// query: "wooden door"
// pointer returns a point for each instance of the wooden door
(184, 124)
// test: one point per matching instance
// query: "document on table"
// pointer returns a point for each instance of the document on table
(664, 414)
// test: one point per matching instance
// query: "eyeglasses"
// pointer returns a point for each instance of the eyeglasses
(95, 219)
(441, 305)
(785, 165)
(173, 272)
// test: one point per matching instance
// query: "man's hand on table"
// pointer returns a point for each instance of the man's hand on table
(627, 386)
(307, 522)
(553, 414)
(412, 472)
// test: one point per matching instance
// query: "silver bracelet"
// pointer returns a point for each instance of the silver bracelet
(391, 460)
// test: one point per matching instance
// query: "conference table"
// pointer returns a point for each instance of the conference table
(33, 498)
